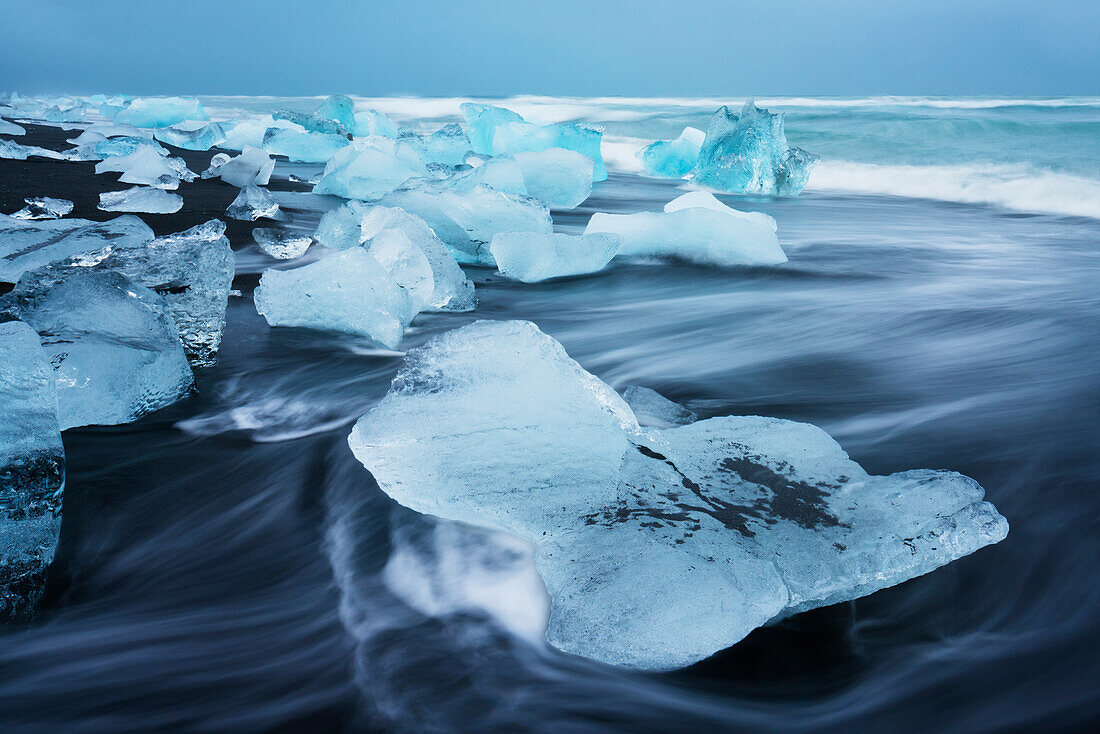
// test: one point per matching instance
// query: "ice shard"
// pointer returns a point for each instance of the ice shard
(673, 158)
(143, 199)
(44, 207)
(254, 202)
(531, 257)
(281, 244)
(160, 112)
(32, 470)
(653, 409)
(658, 547)
(26, 245)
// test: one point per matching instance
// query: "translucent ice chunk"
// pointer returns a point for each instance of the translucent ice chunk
(255, 203)
(653, 409)
(673, 158)
(370, 168)
(26, 245)
(303, 147)
(339, 108)
(281, 244)
(115, 352)
(312, 122)
(32, 470)
(252, 166)
(560, 178)
(145, 199)
(14, 151)
(531, 257)
(406, 264)
(372, 122)
(10, 128)
(448, 145)
(349, 292)
(250, 133)
(749, 154)
(482, 121)
(44, 207)
(147, 166)
(697, 230)
(466, 220)
(200, 138)
(160, 111)
(657, 547)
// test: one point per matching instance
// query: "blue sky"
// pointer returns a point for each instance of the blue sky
(567, 47)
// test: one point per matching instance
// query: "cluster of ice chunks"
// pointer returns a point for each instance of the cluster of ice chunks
(468, 219)
(203, 137)
(658, 547)
(160, 112)
(26, 245)
(673, 158)
(145, 199)
(44, 207)
(653, 409)
(357, 224)
(349, 291)
(32, 470)
(371, 168)
(252, 166)
(531, 257)
(254, 202)
(695, 227)
(303, 146)
(749, 154)
(496, 130)
(115, 351)
(147, 166)
(281, 244)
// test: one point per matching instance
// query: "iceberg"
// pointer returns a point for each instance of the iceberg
(281, 244)
(560, 178)
(252, 166)
(147, 166)
(303, 147)
(357, 224)
(348, 292)
(749, 154)
(160, 112)
(32, 471)
(653, 409)
(530, 257)
(370, 168)
(145, 199)
(44, 207)
(695, 227)
(254, 203)
(372, 122)
(658, 547)
(467, 220)
(673, 158)
(200, 138)
(26, 245)
(116, 354)
(14, 151)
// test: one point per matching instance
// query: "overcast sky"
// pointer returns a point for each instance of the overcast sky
(563, 47)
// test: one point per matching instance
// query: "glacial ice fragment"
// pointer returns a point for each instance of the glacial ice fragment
(147, 166)
(252, 166)
(653, 409)
(673, 158)
(14, 151)
(372, 122)
(26, 245)
(160, 112)
(370, 168)
(560, 178)
(303, 147)
(482, 121)
(447, 146)
(254, 203)
(311, 122)
(44, 207)
(339, 108)
(694, 227)
(749, 154)
(10, 128)
(531, 257)
(657, 547)
(250, 133)
(144, 199)
(116, 354)
(281, 244)
(32, 470)
(406, 264)
(200, 138)
(348, 292)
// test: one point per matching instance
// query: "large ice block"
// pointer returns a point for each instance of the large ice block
(32, 470)
(339, 108)
(26, 245)
(673, 158)
(559, 178)
(160, 111)
(303, 147)
(370, 168)
(115, 352)
(348, 291)
(447, 146)
(147, 166)
(250, 133)
(748, 154)
(657, 547)
(531, 257)
(695, 227)
(373, 122)
(144, 199)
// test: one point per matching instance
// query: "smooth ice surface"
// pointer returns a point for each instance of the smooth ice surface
(658, 547)
(447, 146)
(482, 121)
(559, 178)
(250, 133)
(32, 470)
(192, 271)
(748, 154)
(10, 128)
(339, 108)
(199, 138)
(653, 409)
(115, 352)
(372, 122)
(281, 244)
(531, 257)
(147, 166)
(349, 292)
(695, 227)
(252, 166)
(673, 158)
(160, 111)
(254, 202)
(357, 224)
(25, 245)
(145, 199)
(370, 168)
(44, 207)
(303, 147)
(406, 264)
(14, 151)
(467, 220)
